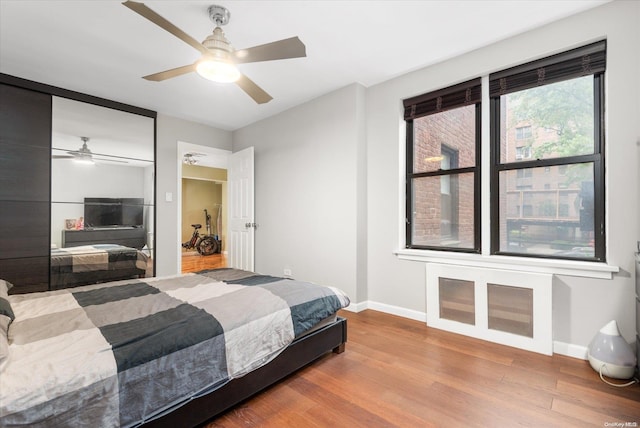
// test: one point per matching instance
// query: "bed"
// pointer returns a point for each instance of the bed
(90, 264)
(159, 351)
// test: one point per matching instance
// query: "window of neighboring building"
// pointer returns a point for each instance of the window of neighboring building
(443, 172)
(524, 173)
(523, 132)
(523, 152)
(562, 98)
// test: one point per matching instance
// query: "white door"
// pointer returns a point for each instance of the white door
(242, 225)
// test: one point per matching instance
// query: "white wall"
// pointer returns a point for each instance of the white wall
(580, 305)
(170, 130)
(309, 199)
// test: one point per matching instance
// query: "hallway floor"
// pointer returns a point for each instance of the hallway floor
(194, 262)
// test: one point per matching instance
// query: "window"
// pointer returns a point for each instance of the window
(561, 98)
(524, 173)
(523, 132)
(523, 152)
(524, 178)
(443, 173)
(547, 179)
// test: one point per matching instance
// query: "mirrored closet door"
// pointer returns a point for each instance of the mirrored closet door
(102, 194)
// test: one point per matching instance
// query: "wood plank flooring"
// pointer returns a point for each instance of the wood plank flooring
(397, 372)
(193, 262)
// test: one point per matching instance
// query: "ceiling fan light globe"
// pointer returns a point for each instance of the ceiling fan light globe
(84, 161)
(218, 71)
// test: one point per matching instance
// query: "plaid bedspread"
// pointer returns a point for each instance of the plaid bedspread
(121, 353)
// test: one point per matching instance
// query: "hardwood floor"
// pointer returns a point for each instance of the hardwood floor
(397, 372)
(193, 262)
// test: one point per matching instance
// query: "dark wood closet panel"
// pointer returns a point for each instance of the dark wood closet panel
(25, 201)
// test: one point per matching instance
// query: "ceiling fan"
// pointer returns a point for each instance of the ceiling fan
(190, 158)
(84, 155)
(219, 59)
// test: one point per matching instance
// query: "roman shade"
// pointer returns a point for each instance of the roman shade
(583, 61)
(444, 99)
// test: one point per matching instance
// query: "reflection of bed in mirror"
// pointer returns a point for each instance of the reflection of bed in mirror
(91, 264)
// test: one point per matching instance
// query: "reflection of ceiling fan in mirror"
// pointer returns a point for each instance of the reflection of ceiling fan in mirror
(190, 158)
(84, 155)
(218, 61)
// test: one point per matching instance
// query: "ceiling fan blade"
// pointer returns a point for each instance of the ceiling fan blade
(99, 159)
(168, 74)
(253, 90)
(144, 11)
(282, 49)
(62, 157)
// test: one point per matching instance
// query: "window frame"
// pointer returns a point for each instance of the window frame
(450, 98)
(576, 57)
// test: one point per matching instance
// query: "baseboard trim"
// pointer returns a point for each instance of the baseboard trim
(356, 307)
(570, 350)
(388, 309)
(560, 348)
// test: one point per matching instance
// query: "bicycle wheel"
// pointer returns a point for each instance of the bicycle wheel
(207, 246)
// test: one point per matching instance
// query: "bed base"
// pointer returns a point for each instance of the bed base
(300, 353)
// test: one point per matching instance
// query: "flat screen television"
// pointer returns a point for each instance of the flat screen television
(113, 212)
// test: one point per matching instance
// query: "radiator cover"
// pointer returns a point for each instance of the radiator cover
(512, 308)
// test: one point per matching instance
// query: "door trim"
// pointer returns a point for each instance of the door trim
(182, 148)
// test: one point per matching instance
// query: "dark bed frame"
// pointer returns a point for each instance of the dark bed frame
(301, 352)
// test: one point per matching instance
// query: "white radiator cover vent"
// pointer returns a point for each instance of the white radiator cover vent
(513, 308)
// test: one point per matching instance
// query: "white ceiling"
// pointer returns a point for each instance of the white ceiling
(102, 48)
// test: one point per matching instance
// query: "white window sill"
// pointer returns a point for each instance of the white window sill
(524, 264)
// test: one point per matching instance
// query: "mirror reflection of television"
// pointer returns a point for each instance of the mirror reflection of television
(113, 212)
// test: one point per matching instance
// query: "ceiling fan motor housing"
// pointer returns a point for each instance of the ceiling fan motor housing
(217, 44)
(84, 150)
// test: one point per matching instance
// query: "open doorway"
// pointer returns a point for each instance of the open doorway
(203, 203)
